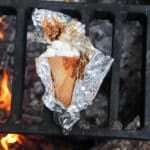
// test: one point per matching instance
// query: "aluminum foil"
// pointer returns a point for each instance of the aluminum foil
(85, 90)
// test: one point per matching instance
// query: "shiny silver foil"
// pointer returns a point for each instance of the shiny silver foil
(85, 90)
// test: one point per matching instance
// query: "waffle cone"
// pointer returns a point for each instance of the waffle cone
(63, 71)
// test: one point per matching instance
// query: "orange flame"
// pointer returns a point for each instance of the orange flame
(5, 99)
(11, 139)
(3, 27)
(5, 95)
(5, 103)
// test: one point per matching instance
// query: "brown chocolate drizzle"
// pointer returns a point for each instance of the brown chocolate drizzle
(84, 60)
(53, 29)
(71, 62)
(78, 64)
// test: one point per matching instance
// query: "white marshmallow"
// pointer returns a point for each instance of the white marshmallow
(59, 48)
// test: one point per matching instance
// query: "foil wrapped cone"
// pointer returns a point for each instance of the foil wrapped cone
(68, 91)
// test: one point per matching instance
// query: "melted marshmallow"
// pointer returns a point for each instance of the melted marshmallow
(59, 48)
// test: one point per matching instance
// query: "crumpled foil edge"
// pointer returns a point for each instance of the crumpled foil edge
(85, 90)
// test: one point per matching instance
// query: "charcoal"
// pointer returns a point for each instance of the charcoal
(38, 88)
(31, 119)
(130, 65)
(101, 35)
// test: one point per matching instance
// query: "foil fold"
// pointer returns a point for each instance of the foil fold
(85, 90)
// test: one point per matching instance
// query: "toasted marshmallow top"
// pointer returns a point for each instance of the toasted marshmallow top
(59, 48)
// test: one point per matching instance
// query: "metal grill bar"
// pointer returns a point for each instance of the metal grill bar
(19, 65)
(147, 75)
(86, 19)
(115, 81)
(93, 133)
(6, 3)
(69, 6)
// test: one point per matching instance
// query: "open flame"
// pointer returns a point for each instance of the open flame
(11, 139)
(5, 98)
(5, 95)
(3, 27)
(5, 104)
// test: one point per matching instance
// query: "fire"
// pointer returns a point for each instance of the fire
(11, 139)
(5, 95)
(3, 27)
(5, 103)
(5, 99)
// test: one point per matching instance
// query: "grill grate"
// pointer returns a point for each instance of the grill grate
(119, 14)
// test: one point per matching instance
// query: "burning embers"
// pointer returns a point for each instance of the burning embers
(5, 106)
(5, 99)
(3, 27)
(5, 95)
(11, 139)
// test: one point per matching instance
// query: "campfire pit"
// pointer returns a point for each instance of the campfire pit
(19, 120)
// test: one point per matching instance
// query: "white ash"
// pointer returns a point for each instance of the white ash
(34, 48)
(100, 32)
(117, 125)
(38, 87)
(10, 49)
(134, 125)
